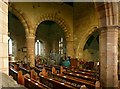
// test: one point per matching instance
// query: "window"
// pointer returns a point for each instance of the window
(38, 48)
(10, 46)
(61, 46)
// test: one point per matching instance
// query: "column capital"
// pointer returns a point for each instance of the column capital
(111, 28)
(30, 36)
(69, 40)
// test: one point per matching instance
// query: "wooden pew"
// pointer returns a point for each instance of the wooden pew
(20, 78)
(28, 82)
(80, 76)
(55, 84)
(54, 70)
(62, 70)
(95, 75)
(44, 72)
(84, 72)
(13, 73)
(24, 70)
(33, 84)
(17, 75)
(38, 70)
(34, 75)
(90, 71)
(48, 68)
(76, 81)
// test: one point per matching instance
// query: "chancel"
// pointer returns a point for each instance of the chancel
(60, 45)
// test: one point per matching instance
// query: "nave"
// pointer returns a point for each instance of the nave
(52, 77)
(60, 44)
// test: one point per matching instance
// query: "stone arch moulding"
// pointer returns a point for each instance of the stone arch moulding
(21, 17)
(83, 41)
(60, 21)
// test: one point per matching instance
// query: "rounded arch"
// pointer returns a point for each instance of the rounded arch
(21, 17)
(60, 21)
(83, 40)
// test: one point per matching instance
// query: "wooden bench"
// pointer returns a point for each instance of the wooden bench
(75, 81)
(20, 78)
(90, 78)
(55, 84)
(49, 68)
(13, 73)
(46, 67)
(24, 70)
(90, 71)
(38, 70)
(17, 75)
(95, 75)
(33, 84)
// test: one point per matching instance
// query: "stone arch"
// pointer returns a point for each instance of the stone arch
(105, 11)
(21, 17)
(108, 13)
(108, 19)
(83, 41)
(60, 21)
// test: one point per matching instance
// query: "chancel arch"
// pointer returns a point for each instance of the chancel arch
(53, 40)
(62, 23)
(58, 20)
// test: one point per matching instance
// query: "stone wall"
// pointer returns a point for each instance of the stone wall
(85, 20)
(17, 34)
(35, 12)
(49, 34)
(3, 37)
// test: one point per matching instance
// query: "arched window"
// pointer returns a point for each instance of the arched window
(10, 46)
(38, 48)
(61, 46)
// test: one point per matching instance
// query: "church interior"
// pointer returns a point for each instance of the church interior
(60, 45)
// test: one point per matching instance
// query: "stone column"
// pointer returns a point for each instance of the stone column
(3, 38)
(109, 56)
(30, 40)
(69, 49)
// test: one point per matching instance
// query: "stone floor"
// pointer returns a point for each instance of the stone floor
(7, 82)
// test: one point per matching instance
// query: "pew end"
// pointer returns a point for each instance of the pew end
(44, 72)
(20, 78)
(83, 87)
(62, 70)
(34, 75)
(97, 85)
(54, 70)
